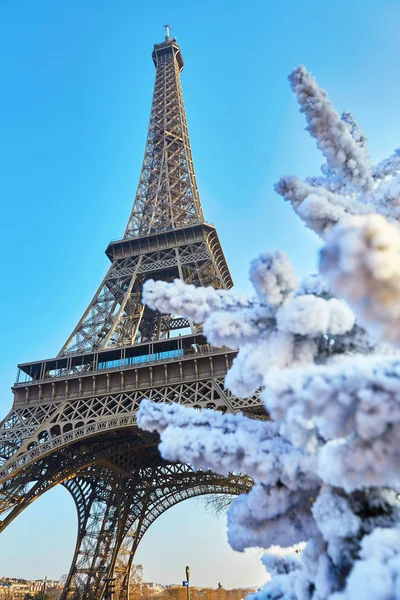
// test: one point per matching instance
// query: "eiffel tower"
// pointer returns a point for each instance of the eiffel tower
(73, 417)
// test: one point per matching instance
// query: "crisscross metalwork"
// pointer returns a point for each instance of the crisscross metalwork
(167, 196)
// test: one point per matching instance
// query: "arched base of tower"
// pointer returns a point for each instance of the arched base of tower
(114, 513)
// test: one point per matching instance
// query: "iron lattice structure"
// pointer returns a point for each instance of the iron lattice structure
(73, 417)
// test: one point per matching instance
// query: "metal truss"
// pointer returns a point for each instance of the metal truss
(120, 487)
(73, 421)
(116, 316)
(114, 516)
(167, 195)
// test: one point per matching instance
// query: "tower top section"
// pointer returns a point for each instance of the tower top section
(167, 50)
(167, 197)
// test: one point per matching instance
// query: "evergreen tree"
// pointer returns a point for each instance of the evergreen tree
(326, 470)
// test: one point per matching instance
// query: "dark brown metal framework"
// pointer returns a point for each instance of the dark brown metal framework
(73, 417)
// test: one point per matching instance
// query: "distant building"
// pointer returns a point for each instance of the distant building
(157, 587)
(37, 585)
(13, 589)
(16, 589)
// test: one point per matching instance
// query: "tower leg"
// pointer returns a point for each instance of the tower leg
(170, 484)
(98, 532)
(125, 556)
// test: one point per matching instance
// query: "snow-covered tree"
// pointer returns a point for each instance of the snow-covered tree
(326, 471)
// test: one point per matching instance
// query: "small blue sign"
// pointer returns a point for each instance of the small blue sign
(185, 583)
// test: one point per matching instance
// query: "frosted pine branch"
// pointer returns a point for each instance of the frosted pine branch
(273, 277)
(349, 184)
(334, 138)
(279, 561)
(311, 316)
(226, 443)
(386, 198)
(388, 166)
(354, 128)
(333, 183)
(355, 407)
(319, 208)
(285, 326)
(377, 573)
(327, 471)
(188, 300)
(235, 329)
(282, 587)
(361, 261)
(270, 516)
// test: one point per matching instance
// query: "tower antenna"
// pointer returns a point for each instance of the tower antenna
(167, 38)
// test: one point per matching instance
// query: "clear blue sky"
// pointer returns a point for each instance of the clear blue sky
(77, 80)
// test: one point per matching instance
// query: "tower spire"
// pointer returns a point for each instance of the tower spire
(167, 196)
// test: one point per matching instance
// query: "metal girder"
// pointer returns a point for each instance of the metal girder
(114, 514)
(85, 418)
(116, 316)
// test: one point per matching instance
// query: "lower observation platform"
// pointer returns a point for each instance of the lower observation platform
(170, 361)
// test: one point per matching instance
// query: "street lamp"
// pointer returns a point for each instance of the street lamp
(44, 588)
(188, 583)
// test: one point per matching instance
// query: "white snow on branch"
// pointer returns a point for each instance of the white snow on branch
(377, 574)
(335, 520)
(319, 208)
(361, 261)
(386, 198)
(311, 316)
(355, 407)
(237, 328)
(334, 183)
(334, 136)
(282, 587)
(349, 185)
(279, 350)
(190, 301)
(278, 560)
(285, 326)
(354, 128)
(388, 166)
(273, 277)
(226, 443)
(270, 516)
